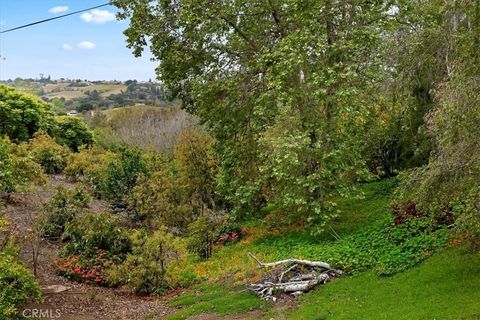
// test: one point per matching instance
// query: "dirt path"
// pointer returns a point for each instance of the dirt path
(75, 301)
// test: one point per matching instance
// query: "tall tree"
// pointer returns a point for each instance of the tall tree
(283, 85)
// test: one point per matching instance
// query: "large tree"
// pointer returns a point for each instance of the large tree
(284, 86)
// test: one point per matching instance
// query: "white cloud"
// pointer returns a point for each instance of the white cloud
(58, 9)
(86, 45)
(98, 16)
(66, 46)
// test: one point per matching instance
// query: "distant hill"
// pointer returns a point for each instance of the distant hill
(84, 95)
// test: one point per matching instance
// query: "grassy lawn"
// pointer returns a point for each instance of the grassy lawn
(445, 286)
(222, 300)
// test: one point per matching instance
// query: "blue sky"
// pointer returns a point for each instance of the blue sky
(89, 46)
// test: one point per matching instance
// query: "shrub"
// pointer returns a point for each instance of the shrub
(91, 270)
(402, 213)
(17, 286)
(95, 231)
(73, 132)
(121, 176)
(17, 169)
(21, 115)
(50, 155)
(159, 199)
(228, 234)
(62, 208)
(90, 165)
(197, 167)
(147, 266)
(201, 237)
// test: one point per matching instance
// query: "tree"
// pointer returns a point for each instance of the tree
(197, 166)
(447, 186)
(241, 66)
(73, 132)
(21, 115)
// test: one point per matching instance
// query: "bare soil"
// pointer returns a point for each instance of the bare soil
(79, 302)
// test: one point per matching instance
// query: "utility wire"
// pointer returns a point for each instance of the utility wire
(54, 18)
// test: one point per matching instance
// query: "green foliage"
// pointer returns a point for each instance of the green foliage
(73, 132)
(17, 286)
(201, 237)
(95, 231)
(197, 168)
(218, 299)
(145, 269)
(50, 155)
(61, 209)
(385, 247)
(246, 75)
(450, 178)
(90, 166)
(159, 199)
(17, 169)
(121, 176)
(91, 270)
(21, 115)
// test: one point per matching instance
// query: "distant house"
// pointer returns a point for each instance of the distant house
(72, 113)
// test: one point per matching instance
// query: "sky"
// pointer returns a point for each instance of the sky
(82, 46)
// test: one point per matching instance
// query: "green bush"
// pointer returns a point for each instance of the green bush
(17, 286)
(201, 237)
(73, 132)
(95, 231)
(62, 208)
(21, 115)
(146, 268)
(121, 176)
(90, 165)
(50, 155)
(17, 169)
(159, 199)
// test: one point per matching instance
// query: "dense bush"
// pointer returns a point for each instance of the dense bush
(121, 176)
(448, 184)
(21, 115)
(159, 199)
(92, 270)
(146, 268)
(197, 167)
(95, 231)
(17, 286)
(228, 234)
(50, 155)
(90, 165)
(17, 168)
(62, 208)
(201, 237)
(73, 132)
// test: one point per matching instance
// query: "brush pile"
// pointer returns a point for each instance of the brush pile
(291, 276)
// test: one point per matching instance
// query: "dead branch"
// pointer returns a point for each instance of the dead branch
(301, 276)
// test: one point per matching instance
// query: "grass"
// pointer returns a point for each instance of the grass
(446, 286)
(222, 300)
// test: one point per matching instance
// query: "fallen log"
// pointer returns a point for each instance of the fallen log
(319, 264)
(300, 276)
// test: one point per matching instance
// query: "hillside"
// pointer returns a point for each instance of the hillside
(84, 95)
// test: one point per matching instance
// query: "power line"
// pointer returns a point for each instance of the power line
(54, 18)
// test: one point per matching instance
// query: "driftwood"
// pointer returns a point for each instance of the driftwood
(300, 276)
